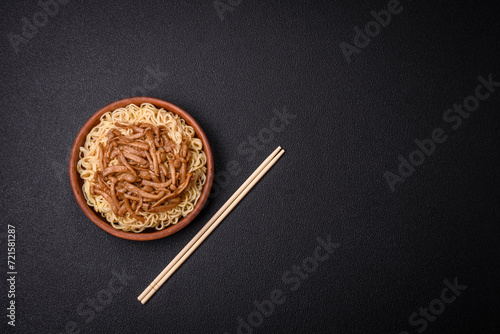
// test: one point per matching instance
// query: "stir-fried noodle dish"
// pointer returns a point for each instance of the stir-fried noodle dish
(142, 168)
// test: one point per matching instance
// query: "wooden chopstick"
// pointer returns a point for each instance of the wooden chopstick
(177, 264)
(210, 225)
(207, 225)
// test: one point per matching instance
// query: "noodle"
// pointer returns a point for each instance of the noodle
(101, 187)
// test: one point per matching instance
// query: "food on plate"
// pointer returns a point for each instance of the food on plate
(142, 167)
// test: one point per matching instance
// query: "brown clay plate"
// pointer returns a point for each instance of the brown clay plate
(77, 182)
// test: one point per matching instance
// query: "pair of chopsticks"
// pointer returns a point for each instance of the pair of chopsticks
(211, 225)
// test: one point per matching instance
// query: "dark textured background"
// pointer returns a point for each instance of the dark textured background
(352, 122)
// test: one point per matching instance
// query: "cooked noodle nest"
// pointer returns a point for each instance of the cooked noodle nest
(178, 132)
